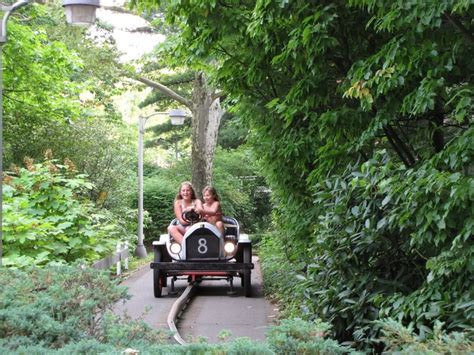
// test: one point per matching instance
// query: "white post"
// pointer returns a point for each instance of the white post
(177, 118)
(125, 263)
(140, 251)
(119, 270)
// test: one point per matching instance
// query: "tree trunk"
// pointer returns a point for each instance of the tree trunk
(207, 114)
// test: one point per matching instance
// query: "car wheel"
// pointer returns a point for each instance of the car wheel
(246, 279)
(159, 277)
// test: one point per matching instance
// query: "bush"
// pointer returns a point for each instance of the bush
(55, 307)
(281, 279)
(47, 218)
(68, 310)
(100, 148)
(402, 340)
(387, 242)
(295, 336)
(243, 191)
(158, 198)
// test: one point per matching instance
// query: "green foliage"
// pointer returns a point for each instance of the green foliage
(360, 114)
(58, 86)
(158, 198)
(359, 265)
(402, 340)
(106, 152)
(282, 278)
(360, 237)
(295, 336)
(47, 65)
(232, 133)
(37, 86)
(237, 179)
(241, 198)
(67, 308)
(103, 150)
(47, 218)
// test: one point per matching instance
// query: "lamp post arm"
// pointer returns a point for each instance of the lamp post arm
(9, 10)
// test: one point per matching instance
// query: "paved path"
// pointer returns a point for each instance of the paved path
(210, 311)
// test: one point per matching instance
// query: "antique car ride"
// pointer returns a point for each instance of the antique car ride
(203, 254)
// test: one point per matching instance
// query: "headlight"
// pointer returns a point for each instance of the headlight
(229, 247)
(175, 248)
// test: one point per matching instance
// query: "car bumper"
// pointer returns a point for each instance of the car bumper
(201, 266)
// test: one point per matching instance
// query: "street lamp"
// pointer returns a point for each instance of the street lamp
(78, 12)
(177, 118)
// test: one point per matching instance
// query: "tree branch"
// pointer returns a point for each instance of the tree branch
(217, 95)
(456, 23)
(402, 150)
(165, 90)
(395, 147)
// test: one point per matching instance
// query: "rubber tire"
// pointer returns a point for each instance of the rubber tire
(159, 278)
(246, 278)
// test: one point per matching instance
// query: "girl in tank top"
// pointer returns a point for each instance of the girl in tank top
(185, 201)
(211, 210)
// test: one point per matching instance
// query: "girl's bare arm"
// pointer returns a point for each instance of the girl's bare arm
(211, 210)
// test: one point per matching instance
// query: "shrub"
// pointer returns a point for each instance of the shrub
(47, 218)
(281, 279)
(68, 310)
(402, 340)
(56, 307)
(295, 336)
(158, 198)
(387, 242)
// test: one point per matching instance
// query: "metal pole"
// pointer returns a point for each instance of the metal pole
(140, 251)
(176, 155)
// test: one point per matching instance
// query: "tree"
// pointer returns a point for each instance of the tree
(47, 72)
(361, 115)
(206, 117)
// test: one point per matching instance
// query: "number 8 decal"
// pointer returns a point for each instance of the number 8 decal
(202, 248)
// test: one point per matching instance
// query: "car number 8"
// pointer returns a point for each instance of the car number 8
(202, 248)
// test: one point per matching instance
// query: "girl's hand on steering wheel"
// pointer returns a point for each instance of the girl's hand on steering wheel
(191, 216)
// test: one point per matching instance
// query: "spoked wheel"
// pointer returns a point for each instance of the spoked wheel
(246, 277)
(159, 277)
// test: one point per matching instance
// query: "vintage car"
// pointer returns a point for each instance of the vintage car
(203, 254)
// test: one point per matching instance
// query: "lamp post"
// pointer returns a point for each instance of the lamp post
(78, 12)
(177, 118)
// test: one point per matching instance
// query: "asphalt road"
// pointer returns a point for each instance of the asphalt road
(210, 313)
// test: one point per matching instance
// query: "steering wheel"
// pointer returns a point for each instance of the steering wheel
(191, 216)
